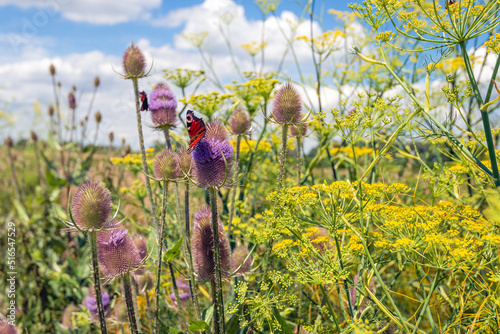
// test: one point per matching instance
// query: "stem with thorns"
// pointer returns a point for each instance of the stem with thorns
(281, 175)
(299, 160)
(143, 150)
(130, 303)
(233, 194)
(160, 253)
(218, 301)
(97, 283)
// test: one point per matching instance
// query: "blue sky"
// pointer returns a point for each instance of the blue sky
(84, 39)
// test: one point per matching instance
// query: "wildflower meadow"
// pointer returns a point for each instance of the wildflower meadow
(357, 192)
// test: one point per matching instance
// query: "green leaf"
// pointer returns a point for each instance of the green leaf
(152, 244)
(54, 180)
(173, 252)
(198, 325)
(164, 329)
(233, 325)
(207, 314)
(21, 211)
(285, 327)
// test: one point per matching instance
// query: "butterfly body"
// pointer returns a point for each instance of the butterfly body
(196, 129)
(144, 100)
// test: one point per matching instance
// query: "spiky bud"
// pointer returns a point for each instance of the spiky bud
(111, 137)
(185, 161)
(239, 255)
(72, 100)
(166, 165)
(91, 205)
(117, 252)
(97, 82)
(203, 246)
(9, 142)
(210, 169)
(162, 104)
(34, 136)
(68, 318)
(51, 111)
(52, 69)
(299, 130)
(134, 62)
(145, 281)
(91, 303)
(142, 247)
(287, 105)
(98, 117)
(239, 122)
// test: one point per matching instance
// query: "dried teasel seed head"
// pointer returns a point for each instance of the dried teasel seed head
(51, 111)
(97, 82)
(134, 62)
(145, 282)
(91, 205)
(111, 137)
(98, 117)
(52, 69)
(239, 122)
(287, 105)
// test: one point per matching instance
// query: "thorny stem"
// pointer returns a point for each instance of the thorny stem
(143, 150)
(213, 287)
(233, 194)
(219, 322)
(484, 115)
(299, 160)
(130, 303)
(284, 136)
(97, 282)
(160, 252)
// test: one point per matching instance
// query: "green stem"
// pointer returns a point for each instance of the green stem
(215, 297)
(219, 302)
(160, 253)
(493, 76)
(130, 303)
(143, 150)
(281, 175)
(484, 115)
(427, 300)
(97, 282)
(330, 308)
(176, 293)
(233, 193)
(299, 160)
(346, 287)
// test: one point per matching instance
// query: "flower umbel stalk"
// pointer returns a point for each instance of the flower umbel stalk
(130, 303)
(143, 150)
(218, 301)
(97, 283)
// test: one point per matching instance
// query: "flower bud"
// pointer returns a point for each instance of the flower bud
(134, 62)
(239, 255)
(91, 205)
(51, 111)
(111, 137)
(72, 100)
(287, 105)
(98, 117)
(52, 69)
(97, 82)
(239, 122)
(166, 165)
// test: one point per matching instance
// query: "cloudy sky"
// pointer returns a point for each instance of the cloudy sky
(86, 38)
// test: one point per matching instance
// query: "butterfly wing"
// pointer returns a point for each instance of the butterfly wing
(196, 129)
(144, 100)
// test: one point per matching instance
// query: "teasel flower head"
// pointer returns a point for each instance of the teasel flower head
(142, 247)
(134, 62)
(91, 206)
(145, 282)
(213, 157)
(203, 246)
(299, 130)
(98, 117)
(287, 105)
(117, 252)
(185, 161)
(97, 82)
(9, 142)
(72, 100)
(111, 137)
(91, 303)
(34, 136)
(68, 317)
(162, 104)
(183, 288)
(166, 165)
(52, 70)
(239, 255)
(51, 111)
(239, 122)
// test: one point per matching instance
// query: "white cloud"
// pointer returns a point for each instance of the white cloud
(90, 11)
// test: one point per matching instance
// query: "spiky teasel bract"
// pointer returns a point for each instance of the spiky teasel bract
(91, 206)
(134, 62)
(185, 161)
(166, 165)
(91, 304)
(299, 130)
(287, 105)
(238, 257)
(239, 122)
(162, 104)
(213, 157)
(203, 246)
(117, 252)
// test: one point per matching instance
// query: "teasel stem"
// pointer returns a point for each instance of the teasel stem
(97, 282)
(219, 323)
(233, 194)
(130, 303)
(299, 160)
(166, 131)
(176, 293)
(19, 194)
(160, 253)
(143, 150)
(283, 153)
(192, 280)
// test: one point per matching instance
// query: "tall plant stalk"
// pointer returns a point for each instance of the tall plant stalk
(233, 193)
(130, 303)
(97, 283)
(283, 154)
(160, 254)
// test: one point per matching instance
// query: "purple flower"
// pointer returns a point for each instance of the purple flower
(203, 246)
(91, 303)
(134, 62)
(162, 104)
(287, 105)
(210, 169)
(91, 205)
(117, 252)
